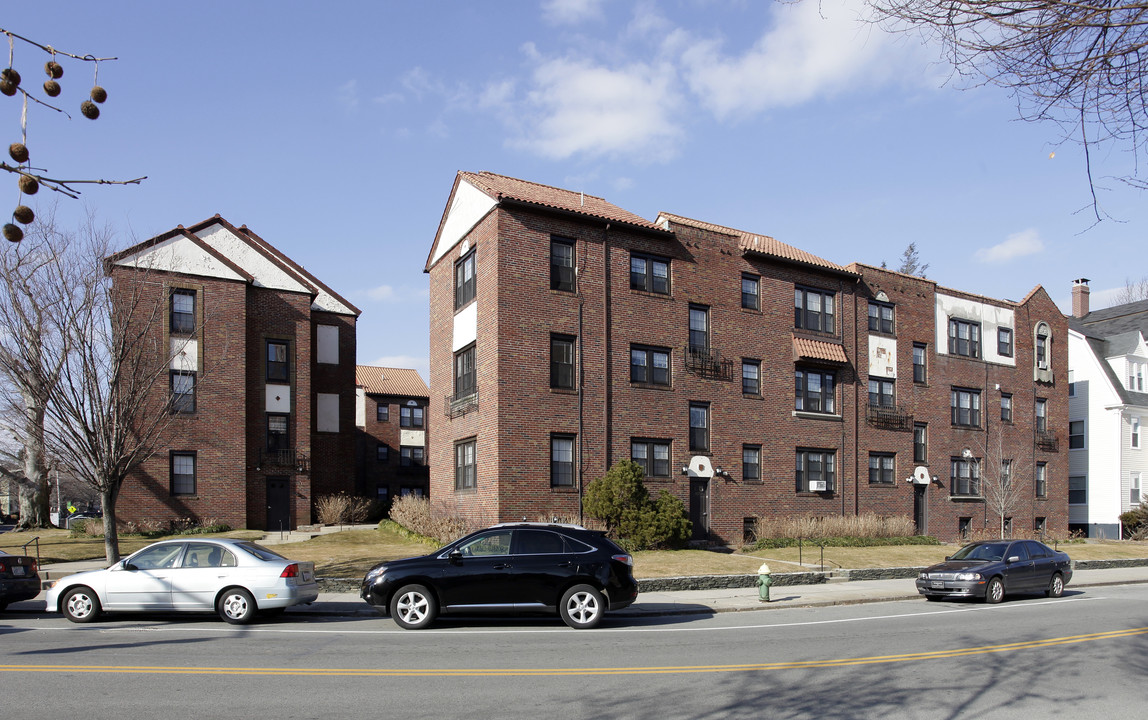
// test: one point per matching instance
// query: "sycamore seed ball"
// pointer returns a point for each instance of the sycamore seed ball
(99, 94)
(90, 110)
(11, 76)
(23, 214)
(18, 152)
(13, 233)
(29, 185)
(51, 88)
(54, 69)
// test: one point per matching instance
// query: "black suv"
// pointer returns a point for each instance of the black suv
(512, 567)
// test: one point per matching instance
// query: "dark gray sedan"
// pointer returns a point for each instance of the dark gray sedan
(993, 568)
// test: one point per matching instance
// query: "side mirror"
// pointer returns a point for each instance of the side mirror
(1013, 558)
(455, 557)
(948, 558)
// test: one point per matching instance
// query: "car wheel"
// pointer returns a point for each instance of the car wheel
(994, 593)
(81, 605)
(1055, 586)
(236, 606)
(413, 607)
(582, 607)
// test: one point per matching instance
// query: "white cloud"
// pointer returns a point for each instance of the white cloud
(1026, 242)
(382, 292)
(420, 364)
(571, 12)
(389, 293)
(577, 107)
(811, 50)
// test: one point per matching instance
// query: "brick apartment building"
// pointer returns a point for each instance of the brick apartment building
(748, 377)
(261, 380)
(391, 448)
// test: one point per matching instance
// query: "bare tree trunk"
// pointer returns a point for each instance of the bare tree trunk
(34, 490)
(111, 537)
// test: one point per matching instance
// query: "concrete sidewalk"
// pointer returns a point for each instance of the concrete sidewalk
(687, 602)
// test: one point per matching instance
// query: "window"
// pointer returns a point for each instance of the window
(1042, 346)
(649, 365)
(751, 377)
(919, 374)
(464, 465)
(813, 310)
(1134, 489)
(814, 391)
(383, 453)
(881, 468)
(653, 456)
(1006, 475)
(699, 328)
(562, 461)
(750, 292)
(816, 470)
(277, 437)
(966, 407)
(383, 412)
(1039, 525)
(562, 264)
(1135, 437)
(880, 317)
(965, 477)
(650, 273)
(880, 392)
(412, 456)
(751, 463)
(327, 412)
(277, 361)
(963, 525)
(464, 379)
(1041, 480)
(411, 417)
(1075, 434)
(327, 344)
(1139, 377)
(562, 362)
(699, 427)
(182, 391)
(1006, 407)
(1004, 342)
(920, 443)
(1077, 490)
(464, 280)
(1041, 415)
(183, 473)
(964, 338)
(183, 311)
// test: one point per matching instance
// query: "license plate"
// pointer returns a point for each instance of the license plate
(938, 584)
(17, 569)
(306, 576)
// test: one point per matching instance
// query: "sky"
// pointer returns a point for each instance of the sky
(334, 130)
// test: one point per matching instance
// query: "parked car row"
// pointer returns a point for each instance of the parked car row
(567, 570)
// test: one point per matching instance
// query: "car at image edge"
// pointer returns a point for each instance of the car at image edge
(577, 573)
(19, 579)
(991, 569)
(235, 578)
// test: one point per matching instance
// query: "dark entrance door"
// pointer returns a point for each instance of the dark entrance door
(700, 507)
(278, 504)
(921, 508)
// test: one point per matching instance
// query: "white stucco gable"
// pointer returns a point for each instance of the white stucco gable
(239, 250)
(468, 207)
(180, 254)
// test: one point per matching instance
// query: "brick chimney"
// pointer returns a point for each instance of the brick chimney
(1080, 297)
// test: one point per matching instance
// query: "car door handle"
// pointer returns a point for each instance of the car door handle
(503, 566)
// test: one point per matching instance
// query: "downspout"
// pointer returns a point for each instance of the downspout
(581, 383)
(856, 416)
(609, 350)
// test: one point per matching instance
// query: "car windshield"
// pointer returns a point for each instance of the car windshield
(982, 551)
(259, 551)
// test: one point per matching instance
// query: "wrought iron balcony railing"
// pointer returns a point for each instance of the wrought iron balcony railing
(1046, 440)
(461, 403)
(891, 417)
(707, 363)
(297, 460)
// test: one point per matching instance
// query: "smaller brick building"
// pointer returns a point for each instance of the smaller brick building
(393, 427)
(260, 379)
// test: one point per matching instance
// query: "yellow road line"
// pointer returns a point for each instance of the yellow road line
(542, 672)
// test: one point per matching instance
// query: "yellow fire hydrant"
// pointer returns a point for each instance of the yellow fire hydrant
(763, 582)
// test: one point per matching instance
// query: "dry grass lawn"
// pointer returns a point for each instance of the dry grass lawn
(352, 552)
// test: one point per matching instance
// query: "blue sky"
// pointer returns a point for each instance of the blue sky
(334, 130)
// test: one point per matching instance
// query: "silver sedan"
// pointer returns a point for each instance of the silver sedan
(235, 578)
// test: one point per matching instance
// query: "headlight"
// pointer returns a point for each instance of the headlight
(968, 576)
(923, 576)
(376, 573)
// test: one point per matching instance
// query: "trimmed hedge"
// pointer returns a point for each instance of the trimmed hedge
(775, 543)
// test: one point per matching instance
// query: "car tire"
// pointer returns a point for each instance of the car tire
(1055, 586)
(582, 607)
(994, 592)
(236, 606)
(80, 605)
(413, 607)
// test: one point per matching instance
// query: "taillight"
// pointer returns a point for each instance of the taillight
(624, 559)
(290, 571)
(32, 567)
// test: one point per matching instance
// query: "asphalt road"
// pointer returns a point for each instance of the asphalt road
(1083, 656)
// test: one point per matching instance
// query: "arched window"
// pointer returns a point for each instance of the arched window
(1042, 352)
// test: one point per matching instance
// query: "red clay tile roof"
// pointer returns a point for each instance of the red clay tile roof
(757, 244)
(391, 381)
(809, 349)
(501, 187)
